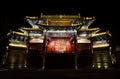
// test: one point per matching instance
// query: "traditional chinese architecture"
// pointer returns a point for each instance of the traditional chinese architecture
(59, 40)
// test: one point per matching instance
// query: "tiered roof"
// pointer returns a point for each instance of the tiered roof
(81, 25)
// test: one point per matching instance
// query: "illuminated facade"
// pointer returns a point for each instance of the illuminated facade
(61, 35)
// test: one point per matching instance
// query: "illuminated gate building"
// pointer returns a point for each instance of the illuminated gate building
(59, 41)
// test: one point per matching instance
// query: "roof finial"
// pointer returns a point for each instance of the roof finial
(41, 14)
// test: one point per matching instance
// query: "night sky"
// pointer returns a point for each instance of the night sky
(13, 14)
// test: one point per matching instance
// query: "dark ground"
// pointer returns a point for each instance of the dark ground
(60, 74)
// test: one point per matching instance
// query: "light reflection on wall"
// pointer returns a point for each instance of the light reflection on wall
(59, 46)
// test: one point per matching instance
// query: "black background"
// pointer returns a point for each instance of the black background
(13, 13)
